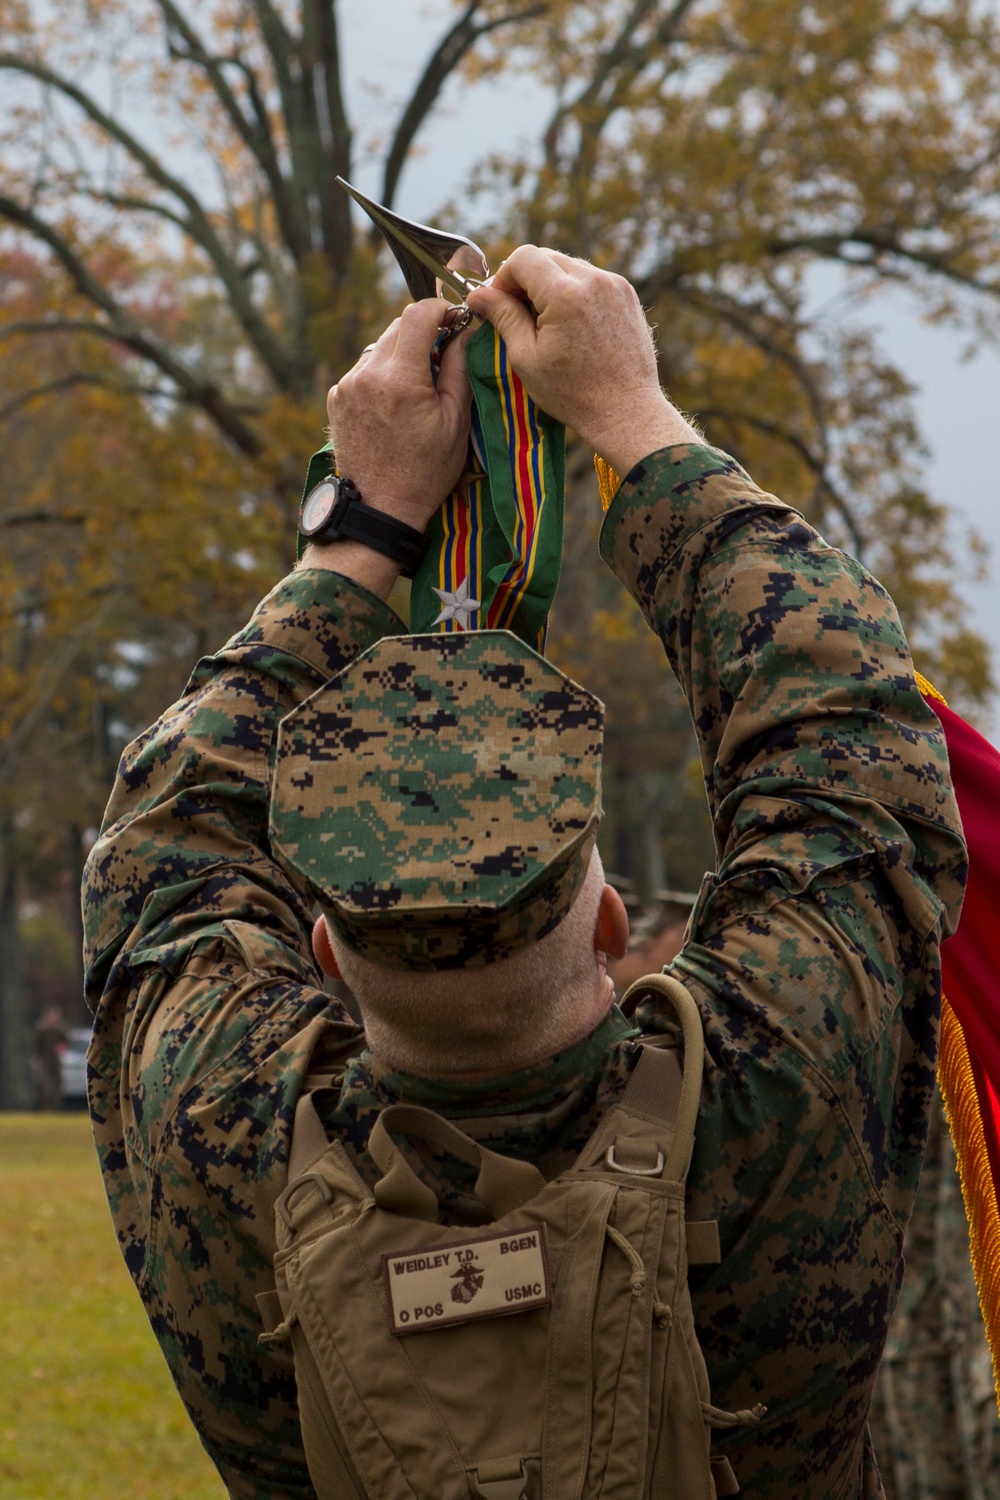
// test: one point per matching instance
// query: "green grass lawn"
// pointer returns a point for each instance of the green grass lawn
(87, 1408)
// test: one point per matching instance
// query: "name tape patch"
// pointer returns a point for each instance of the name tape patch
(481, 1278)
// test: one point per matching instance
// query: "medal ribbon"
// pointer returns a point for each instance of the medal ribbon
(496, 542)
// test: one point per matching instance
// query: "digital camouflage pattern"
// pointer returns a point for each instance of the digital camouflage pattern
(440, 798)
(813, 955)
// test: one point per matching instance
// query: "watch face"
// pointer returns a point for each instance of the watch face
(318, 506)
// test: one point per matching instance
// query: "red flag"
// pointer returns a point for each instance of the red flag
(969, 1061)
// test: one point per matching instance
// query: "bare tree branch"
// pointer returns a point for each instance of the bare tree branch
(255, 133)
(132, 204)
(453, 46)
(46, 685)
(127, 333)
(198, 225)
(625, 58)
(718, 304)
(277, 38)
(307, 74)
(321, 55)
(281, 49)
(882, 241)
(58, 325)
(604, 67)
(743, 320)
(43, 518)
(633, 60)
(80, 377)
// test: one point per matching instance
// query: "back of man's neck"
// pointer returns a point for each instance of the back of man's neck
(462, 1060)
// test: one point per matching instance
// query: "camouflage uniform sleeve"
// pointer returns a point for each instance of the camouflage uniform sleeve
(189, 806)
(813, 950)
(209, 1015)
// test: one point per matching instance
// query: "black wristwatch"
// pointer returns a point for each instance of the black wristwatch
(334, 508)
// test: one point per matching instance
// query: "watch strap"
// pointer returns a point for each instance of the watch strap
(359, 522)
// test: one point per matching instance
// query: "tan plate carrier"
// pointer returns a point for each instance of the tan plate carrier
(600, 1392)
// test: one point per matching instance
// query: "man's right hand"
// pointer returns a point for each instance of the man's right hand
(398, 435)
(579, 340)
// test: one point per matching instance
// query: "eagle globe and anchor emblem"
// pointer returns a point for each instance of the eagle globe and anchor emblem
(469, 1279)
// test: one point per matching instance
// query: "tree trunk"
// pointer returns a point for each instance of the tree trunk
(934, 1416)
(651, 788)
(80, 1015)
(15, 1041)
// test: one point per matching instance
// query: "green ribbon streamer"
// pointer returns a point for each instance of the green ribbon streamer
(517, 507)
(516, 439)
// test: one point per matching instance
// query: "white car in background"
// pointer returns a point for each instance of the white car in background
(73, 1068)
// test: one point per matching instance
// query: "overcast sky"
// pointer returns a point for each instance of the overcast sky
(958, 403)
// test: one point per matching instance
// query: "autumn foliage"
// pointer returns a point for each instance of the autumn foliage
(181, 279)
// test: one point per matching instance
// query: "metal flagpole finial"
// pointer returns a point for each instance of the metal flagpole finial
(424, 254)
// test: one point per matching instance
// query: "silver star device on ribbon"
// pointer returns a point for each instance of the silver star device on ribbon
(456, 606)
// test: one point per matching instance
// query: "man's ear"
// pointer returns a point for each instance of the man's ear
(323, 949)
(611, 931)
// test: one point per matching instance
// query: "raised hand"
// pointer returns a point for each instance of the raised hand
(579, 340)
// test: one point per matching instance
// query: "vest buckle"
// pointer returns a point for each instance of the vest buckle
(634, 1170)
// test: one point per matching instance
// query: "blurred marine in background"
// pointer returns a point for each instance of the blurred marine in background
(282, 783)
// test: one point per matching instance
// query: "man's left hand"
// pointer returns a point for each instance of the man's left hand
(398, 437)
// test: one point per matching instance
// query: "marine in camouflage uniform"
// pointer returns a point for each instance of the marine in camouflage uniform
(812, 952)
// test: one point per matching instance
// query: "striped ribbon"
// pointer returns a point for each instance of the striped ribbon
(496, 543)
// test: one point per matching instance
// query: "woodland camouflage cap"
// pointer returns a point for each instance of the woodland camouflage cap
(441, 798)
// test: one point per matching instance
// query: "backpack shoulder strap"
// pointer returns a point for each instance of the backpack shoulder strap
(650, 1131)
(309, 1138)
(653, 1090)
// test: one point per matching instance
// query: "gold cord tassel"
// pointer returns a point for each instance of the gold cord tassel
(961, 1107)
(607, 480)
